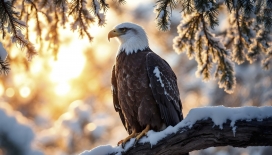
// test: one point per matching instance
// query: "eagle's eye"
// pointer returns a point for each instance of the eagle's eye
(123, 29)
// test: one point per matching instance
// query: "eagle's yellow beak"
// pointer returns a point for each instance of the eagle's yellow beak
(113, 33)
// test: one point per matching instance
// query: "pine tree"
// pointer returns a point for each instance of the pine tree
(56, 13)
(247, 38)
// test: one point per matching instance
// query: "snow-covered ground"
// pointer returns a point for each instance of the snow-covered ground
(218, 114)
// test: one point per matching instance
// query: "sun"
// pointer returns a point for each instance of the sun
(69, 65)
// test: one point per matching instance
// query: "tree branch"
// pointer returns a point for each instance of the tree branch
(202, 128)
(204, 134)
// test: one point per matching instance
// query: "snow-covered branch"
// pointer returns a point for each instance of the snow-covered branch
(15, 23)
(246, 36)
(203, 128)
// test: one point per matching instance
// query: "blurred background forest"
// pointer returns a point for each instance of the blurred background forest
(63, 101)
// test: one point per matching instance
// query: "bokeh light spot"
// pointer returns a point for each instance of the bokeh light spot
(10, 92)
(1, 90)
(91, 127)
(25, 91)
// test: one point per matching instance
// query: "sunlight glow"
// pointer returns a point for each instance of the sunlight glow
(37, 67)
(19, 78)
(103, 53)
(95, 30)
(62, 88)
(70, 63)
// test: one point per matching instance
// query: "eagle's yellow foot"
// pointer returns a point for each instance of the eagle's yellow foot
(123, 141)
(144, 132)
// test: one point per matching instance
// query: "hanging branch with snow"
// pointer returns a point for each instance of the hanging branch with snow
(247, 37)
(82, 17)
(202, 128)
(4, 65)
(56, 14)
(11, 23)
(163, 10)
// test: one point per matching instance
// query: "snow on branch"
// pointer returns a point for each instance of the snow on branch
(202, 128)
(163, 10)
(4, 66)
(11, 23)
(246, 36)
(83, 17)
(15, 23)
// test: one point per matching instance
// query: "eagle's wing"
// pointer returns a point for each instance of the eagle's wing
(114, 90)
(163, 83)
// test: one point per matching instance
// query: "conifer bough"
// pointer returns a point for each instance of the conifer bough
(247, 38)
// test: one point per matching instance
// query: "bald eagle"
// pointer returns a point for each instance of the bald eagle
(144, 87)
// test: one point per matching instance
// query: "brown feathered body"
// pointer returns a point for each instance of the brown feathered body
(145, 91)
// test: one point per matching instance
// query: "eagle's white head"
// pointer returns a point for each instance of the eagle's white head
(132, 37)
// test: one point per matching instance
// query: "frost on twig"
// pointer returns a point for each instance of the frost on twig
(163, 11)
(53, 14)
(4, 66)
(247, 37)
(10, 23)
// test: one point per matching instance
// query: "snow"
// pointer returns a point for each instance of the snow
(199, 33)
(74, 25)
(77, 123)
(102, 19)
(221, 152)
(208, 6)
(78, 114)
(157, 74)
(97, 6)
(81, 110)
(100, 150)
(18, 134)
(107, 149)
(161, 14)
(69, 124)
(3, 52)
(218, 114)
(47, 137)
(97, 9)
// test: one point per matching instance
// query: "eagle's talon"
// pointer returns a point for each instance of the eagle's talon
(124, 141)
(120, 142)
(123, 145)
(135, 142)
(143, 133)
